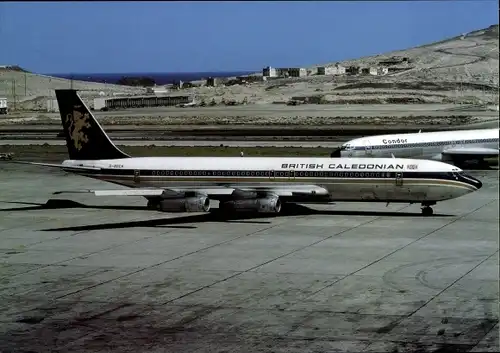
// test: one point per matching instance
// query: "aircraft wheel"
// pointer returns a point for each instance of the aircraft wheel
(278, 206)
(427, 211)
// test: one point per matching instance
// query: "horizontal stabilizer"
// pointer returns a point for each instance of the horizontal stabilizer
(467, 151)
(60, 166)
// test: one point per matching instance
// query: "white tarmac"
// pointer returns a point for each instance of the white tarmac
(113, 276)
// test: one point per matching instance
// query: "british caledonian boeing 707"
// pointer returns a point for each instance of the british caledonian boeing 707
(187, 184)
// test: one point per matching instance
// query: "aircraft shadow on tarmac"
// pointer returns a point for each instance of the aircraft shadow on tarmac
(213, 216)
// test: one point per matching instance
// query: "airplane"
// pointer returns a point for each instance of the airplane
(255, 184)
(454, 147)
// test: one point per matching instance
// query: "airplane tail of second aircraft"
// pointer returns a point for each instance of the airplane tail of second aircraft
(85, 138)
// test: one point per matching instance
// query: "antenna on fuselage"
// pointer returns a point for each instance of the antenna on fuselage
(392, 155)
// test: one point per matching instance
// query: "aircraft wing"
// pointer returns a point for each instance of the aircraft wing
(117, 192)
(284, 190)
(471, 151)
(215, 193)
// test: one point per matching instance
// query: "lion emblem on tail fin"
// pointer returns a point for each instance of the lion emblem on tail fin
(77, 121)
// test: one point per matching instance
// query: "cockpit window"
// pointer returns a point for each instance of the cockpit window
(457, 173)
(346, 147)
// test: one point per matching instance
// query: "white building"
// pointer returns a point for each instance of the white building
(369, 71)
(382, 71)
(297, 72)
(284, 72)
(99, 103)
(331, 70)
(4, 109)
(52, 106)
(157, 90)
(269, 72)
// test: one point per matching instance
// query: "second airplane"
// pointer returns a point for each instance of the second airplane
(456, 147)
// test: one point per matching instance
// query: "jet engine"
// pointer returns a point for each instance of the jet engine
(186, 204)
(263, 205)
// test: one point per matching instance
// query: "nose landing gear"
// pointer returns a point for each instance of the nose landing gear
(427, 209)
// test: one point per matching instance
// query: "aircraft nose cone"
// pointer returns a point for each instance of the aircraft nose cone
(336, 153)
(475, 182)
(478, 183)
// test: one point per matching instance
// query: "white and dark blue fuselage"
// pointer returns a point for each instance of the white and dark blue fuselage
(344, 179)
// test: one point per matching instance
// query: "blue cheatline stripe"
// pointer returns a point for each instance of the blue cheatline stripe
(276, 174)
(259, 176)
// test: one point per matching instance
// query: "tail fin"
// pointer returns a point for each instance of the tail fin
(85, 138)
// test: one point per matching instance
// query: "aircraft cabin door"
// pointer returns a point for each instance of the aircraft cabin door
(399, 178)
(271, 175)
(456, 144)
(291, 175)
(368, 148)
(137, 176)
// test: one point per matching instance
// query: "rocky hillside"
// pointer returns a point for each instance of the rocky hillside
(462, 69)
(469, 58)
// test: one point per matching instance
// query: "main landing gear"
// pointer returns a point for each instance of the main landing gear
(427, 209)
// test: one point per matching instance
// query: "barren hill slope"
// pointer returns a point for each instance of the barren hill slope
(471, 58)
(32, 90)
(462, 69)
